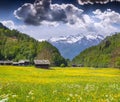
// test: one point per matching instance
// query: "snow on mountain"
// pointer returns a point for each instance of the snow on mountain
(73, 39)
(71, 46)
(66, 39)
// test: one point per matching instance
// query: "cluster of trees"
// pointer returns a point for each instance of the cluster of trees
(47, 51)
(17, 46)
(106, 54)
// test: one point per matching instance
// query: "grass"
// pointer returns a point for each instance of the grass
(29, 84)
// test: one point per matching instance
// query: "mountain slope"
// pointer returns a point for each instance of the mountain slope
(71, 46)
(17, 46)
(2, 26)
(106, 54)
(48, 51)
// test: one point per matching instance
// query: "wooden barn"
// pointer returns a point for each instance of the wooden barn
(74, 65)
(1, 62)
(77, 65)
(80, 65)
(7, 62)
(24, 62)
(42, 64)
(15, 64)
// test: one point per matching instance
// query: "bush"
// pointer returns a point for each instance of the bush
(62, 65)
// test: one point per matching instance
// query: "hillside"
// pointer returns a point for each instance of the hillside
(106, 54)
(17, 46)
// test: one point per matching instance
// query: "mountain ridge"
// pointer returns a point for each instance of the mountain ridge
(71, 46)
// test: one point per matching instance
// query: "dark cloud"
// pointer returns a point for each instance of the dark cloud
(44, 10)
(82, 2)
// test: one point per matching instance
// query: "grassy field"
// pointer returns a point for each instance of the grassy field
(28, 84)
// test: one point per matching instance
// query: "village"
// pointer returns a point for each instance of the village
(37, 63)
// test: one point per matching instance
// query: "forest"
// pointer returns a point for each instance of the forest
(17, 46)
(106, 54)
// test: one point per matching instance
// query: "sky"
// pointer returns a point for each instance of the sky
(43, 19)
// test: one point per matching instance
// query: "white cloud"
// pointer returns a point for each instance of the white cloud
(104, 23)
(82, 2)
(108, 16)
(108, 21)
(87, 19)
(11, 25)
(44, 11)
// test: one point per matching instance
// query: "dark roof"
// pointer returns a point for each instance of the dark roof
(21, 61)
(15, 63)
(1, 61)
(42, 62)
(7, 62)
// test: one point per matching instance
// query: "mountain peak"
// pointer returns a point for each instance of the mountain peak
(74, 38)
(72, 45)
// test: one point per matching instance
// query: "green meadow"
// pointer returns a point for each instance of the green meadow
(29, 84)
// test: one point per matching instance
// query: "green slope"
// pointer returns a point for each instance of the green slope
(17, 46)
(106, 54)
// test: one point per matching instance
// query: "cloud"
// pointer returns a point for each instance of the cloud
(108, 16)
(44, 11)
(106, 22)
(53, 16)
(11, 25)
(82, 2)
(103, 23)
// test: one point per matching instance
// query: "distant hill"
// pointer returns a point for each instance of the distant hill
(106, 54)
(17, 46)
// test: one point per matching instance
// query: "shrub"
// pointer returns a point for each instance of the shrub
(62, 65)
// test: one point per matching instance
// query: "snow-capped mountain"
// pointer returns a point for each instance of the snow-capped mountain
(71, 46)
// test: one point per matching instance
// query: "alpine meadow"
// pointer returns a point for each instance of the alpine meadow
(28, 84)
(59, 50)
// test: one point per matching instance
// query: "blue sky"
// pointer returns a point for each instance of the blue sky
(43, 19)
